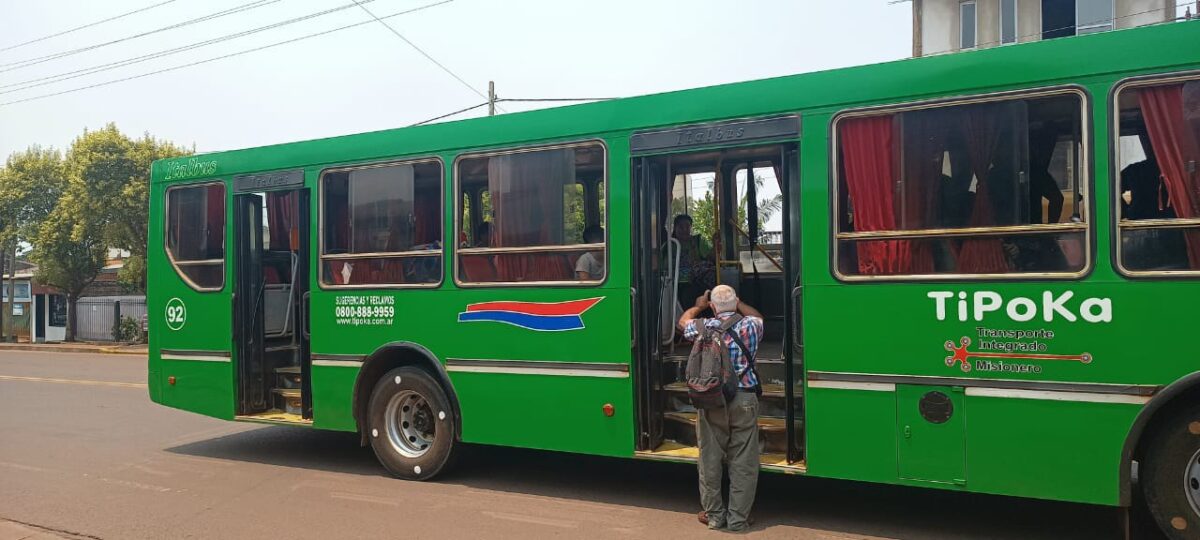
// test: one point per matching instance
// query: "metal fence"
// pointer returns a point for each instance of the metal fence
(98, 316)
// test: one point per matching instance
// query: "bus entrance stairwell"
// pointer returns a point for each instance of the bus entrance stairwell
(271, 282)
(741, 235)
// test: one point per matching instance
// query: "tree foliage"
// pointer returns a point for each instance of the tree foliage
(703, 211)
(30, 185)
(110, 180)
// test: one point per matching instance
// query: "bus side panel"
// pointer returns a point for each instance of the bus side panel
(333, 397)
(204, 386)
(1064, 450)
(200, 386)
(568, 415)
(851, 434)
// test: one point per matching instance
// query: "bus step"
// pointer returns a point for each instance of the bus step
(772, 432)
(683, 358)
(288, 377)
(288, 400)
(770, 390)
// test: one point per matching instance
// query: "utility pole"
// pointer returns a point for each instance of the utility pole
(4, 307)
(12, 295)
(491, 98)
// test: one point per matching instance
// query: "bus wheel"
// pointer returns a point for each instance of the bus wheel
(411, 424)
(1170, 474)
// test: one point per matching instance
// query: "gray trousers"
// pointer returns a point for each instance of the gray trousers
(729, 436)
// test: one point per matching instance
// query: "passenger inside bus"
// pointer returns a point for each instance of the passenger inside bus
(590, 265)
(527, 211)
(697, 266)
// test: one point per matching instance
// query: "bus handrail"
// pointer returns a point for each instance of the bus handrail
(1046, 228)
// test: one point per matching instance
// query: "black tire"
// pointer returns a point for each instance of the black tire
(414, 460)
(1162, 474)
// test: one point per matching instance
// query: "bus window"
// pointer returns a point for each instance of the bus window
(382, 225)
(1158, 148)
(996, 188)
(532, 216)
(196, 234)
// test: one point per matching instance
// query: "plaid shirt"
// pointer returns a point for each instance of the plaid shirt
(749, 329)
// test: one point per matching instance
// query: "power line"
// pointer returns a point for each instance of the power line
(60, 77)
(448, 115)
(222, 57)
(418, 49)
(88, 25)
(21, 64)
(558, 99)
(473, 107)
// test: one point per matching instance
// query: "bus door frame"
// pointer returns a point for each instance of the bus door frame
(645, 148)
(248, 319)
(645, 293)
(249, 283)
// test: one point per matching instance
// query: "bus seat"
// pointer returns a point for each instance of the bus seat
(271, 275)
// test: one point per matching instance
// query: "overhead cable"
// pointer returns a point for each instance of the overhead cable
(21, 64)
(216, 58)
(418, 49)
(88, 25)
(51, 79)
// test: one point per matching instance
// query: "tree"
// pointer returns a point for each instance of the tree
(113, 179)
(69, 256)
(30, 184)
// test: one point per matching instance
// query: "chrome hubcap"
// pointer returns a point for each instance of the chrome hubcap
(410, 424)
(1191, 482)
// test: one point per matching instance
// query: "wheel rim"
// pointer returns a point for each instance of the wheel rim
(1191, 482)
(410, 424)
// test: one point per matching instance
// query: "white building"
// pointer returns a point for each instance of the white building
(942, 26)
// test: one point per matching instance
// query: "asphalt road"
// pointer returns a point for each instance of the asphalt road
(85, 454)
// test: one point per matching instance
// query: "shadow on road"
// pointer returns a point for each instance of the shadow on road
(852, 508)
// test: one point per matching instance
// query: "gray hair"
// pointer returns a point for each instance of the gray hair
(723, 299)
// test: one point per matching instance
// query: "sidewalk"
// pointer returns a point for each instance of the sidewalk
(94, 348)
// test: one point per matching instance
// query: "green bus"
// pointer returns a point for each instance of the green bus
(966, 263)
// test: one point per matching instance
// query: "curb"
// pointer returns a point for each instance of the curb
(61, 349)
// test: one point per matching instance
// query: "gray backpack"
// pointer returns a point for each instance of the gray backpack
(711, 380)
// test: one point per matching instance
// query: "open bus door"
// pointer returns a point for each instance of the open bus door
(649, 229)
(271, 272)
(731, 189)
(248, 292)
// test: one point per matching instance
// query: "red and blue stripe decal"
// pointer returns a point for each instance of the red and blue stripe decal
(538, 316)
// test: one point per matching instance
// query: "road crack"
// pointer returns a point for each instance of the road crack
(71, 535)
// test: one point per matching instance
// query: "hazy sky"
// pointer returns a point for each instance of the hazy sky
(366, 78)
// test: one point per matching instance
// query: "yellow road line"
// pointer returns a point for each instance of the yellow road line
(72, 381)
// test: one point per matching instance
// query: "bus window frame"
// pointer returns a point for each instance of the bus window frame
(571, 283)
(1114, 150)
(1085, 181)
(175, 264)
(322, 256)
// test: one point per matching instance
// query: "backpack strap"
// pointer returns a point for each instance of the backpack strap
(751, 365)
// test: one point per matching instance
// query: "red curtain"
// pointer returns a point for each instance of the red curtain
(427, 215)
(867, 159)
(1174, 146)
(527, 202)
(924, 145)
(982, 133)
(215, 210)
(281, 216)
